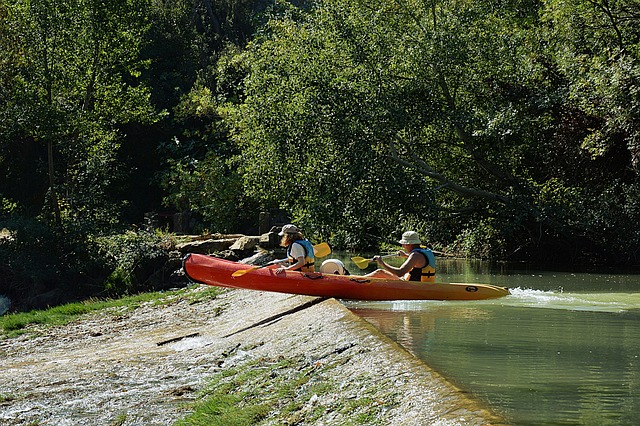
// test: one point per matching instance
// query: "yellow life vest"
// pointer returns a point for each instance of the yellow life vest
(426, 274)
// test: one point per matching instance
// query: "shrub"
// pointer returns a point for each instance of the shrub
(131, 258)
(42, 265)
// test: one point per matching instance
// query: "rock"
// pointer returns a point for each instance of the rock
(50, 298)
(169, 275)
(269, 240)
(228, 255)
(245, 243)
(259, 258)
(206, 246)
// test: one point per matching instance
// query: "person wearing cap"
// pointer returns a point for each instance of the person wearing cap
(419, 266)
(300, 255)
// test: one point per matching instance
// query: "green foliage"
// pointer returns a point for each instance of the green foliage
(7, 206)
(131, 257)
(310, 130)
(201, 176)
(75, 84)
(30, 255)
(363, 119)
(70, 264)
(598, 47)
(209, 188)
(494, 127)
(480, 241)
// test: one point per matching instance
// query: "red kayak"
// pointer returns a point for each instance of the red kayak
(219, 272)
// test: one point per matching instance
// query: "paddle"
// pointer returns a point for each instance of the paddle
(363, 263)
(319, 250)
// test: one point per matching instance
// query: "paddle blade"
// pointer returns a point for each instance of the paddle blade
(321, 250)
(361, 262)
(241, 272)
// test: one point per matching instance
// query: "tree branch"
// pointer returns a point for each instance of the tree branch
(419, 165)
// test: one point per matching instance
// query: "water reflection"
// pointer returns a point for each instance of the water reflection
(540, 356)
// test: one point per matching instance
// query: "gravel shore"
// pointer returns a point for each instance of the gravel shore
(148, 366)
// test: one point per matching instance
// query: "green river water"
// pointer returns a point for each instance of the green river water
(562, 349)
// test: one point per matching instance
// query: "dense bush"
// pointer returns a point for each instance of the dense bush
(131, 258)
(43, 265)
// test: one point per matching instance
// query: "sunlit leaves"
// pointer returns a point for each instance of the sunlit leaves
(598, 46)
(465, 92)
(76, 84)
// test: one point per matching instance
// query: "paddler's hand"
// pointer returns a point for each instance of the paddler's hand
(378, 259)
(280, 270)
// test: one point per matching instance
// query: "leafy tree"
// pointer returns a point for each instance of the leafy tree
(198, 174)
(598, 47)
(452, 117)
(373, 102)
(74, 83)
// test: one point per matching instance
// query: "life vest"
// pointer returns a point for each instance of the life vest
(309, 257)
(426, 274)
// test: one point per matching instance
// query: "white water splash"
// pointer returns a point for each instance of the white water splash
(601, 302)
(521, 297)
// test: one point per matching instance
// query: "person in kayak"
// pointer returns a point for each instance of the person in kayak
(300, 255)
(419, 266)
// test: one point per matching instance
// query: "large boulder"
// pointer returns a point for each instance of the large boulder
(244, 246)
(245, 243)
(206, 246)
(269, 240)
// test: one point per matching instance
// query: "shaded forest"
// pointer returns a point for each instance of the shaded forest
(505, 130)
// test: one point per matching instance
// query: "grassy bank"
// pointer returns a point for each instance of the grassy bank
(15, 324)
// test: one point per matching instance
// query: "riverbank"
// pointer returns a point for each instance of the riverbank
(154, 364)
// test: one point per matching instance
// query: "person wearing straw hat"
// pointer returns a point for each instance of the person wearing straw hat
(419, 266)
(300, 254)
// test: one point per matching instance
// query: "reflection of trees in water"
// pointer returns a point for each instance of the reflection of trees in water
(413, 329)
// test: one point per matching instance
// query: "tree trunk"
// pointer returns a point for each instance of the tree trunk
(53, 195)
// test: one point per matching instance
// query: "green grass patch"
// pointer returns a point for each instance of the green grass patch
(250, 393)
(119, 421)
(14, 324)
(281, 391)
(222, 410)
(6, 398)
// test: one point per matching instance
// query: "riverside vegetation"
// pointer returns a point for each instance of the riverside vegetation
(496, 129)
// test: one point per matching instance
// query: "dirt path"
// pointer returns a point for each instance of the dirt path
(143, 367)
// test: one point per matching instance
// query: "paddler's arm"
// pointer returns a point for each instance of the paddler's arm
(402, 269)
(276, 263)
(293, 267)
